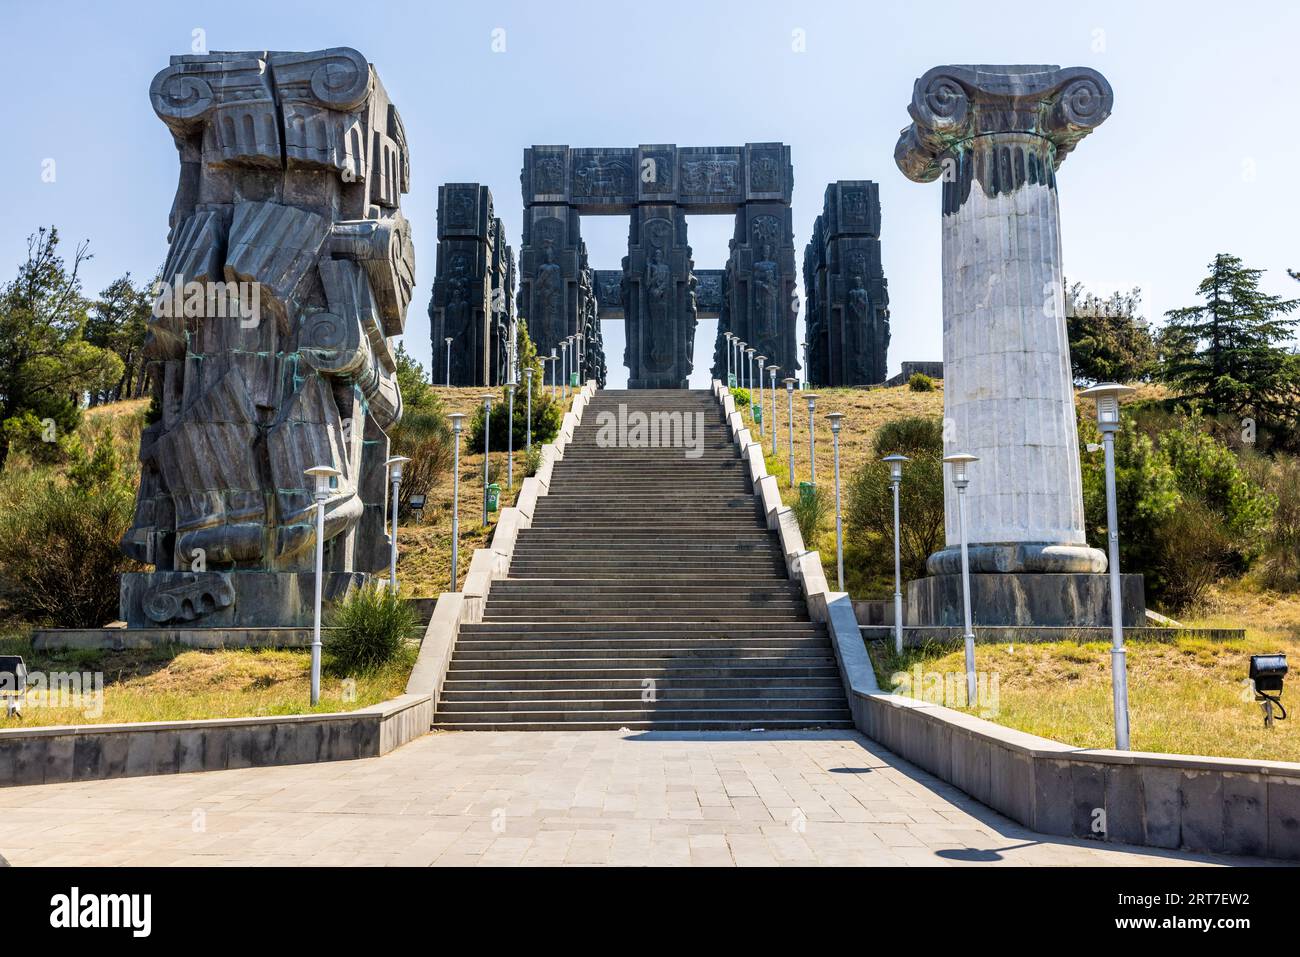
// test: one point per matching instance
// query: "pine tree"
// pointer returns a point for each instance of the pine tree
(46, 365)
(1109, 339)
(1230, 352)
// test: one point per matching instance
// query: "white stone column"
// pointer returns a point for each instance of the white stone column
(995, 136)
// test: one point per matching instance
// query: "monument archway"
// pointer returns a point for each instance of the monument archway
(657, 292)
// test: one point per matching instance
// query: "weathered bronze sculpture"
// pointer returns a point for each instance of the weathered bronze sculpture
(288, 216)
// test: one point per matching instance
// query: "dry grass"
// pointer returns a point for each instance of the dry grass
(424, 555)
(1188, 696)
(177, 684)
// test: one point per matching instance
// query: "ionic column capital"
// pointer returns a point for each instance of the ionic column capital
(952, 106)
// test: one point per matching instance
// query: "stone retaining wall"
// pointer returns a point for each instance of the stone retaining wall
(55, 755)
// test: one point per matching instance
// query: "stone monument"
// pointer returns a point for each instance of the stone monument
(473, 289)
(847, 327)
(996, 136)
(658, 291)
(287, 222)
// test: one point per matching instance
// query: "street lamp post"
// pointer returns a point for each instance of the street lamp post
(812, 444)
(771, 371)
(487, 398)
(762, 426)
(895, 479)
(564, 368)
(835, 418)
(552, 360)
(789, 422)
(1107, 396)
(959, 461)
(449, 361)
(749, 377)
(395, 478)
(510, 434)
(740, 363)
(728, 337)
(528, 382)
(457, 419)
(323, 475)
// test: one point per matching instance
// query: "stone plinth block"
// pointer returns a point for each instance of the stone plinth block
(1061, 600)
(229, 599)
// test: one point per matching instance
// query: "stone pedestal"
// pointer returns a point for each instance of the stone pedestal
(995, 136)
(228, 599)
(1062, 600)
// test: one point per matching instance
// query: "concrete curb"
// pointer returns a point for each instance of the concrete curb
(62, 753)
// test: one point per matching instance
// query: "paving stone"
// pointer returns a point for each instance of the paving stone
(432, 802)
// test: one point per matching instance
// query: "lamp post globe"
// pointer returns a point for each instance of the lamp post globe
(895, 479)
(394, 466)
(487, 398)
(836, 418)
(812, 398)
(1107, 396)
(457, 424)
(789, 422)
(323, 477)
(771, 372)
(959, 461)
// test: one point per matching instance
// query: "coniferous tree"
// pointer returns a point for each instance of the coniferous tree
(118, 321)
(1109, 339)
(1231, 351)
(46, 365)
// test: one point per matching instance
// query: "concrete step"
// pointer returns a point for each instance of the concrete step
(645, 564)
(655, 626)
(699, 708)
(512, 586)
(506, 721)
(618, 645)
(626, 690)
(592, 672)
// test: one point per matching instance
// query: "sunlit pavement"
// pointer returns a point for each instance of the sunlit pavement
(505, 798)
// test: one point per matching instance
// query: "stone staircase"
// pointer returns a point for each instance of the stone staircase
(646, 595)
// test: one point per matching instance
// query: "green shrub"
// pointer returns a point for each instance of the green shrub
(1187, 510)
(869, 516)
(532, 460)
(740, 397)
(920, 382)
(59, 552)
(369, 628)
(1280, 564)
(812, 513)
(423, 434)
(548, 414)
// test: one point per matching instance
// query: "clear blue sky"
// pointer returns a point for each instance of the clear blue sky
(1199, 156)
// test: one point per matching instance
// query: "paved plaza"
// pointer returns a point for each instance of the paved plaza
(508, 798)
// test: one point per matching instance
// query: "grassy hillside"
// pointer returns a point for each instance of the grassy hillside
(1188, 696)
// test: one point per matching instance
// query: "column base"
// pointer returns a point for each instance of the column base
(1059, 600)
(1012, 557)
